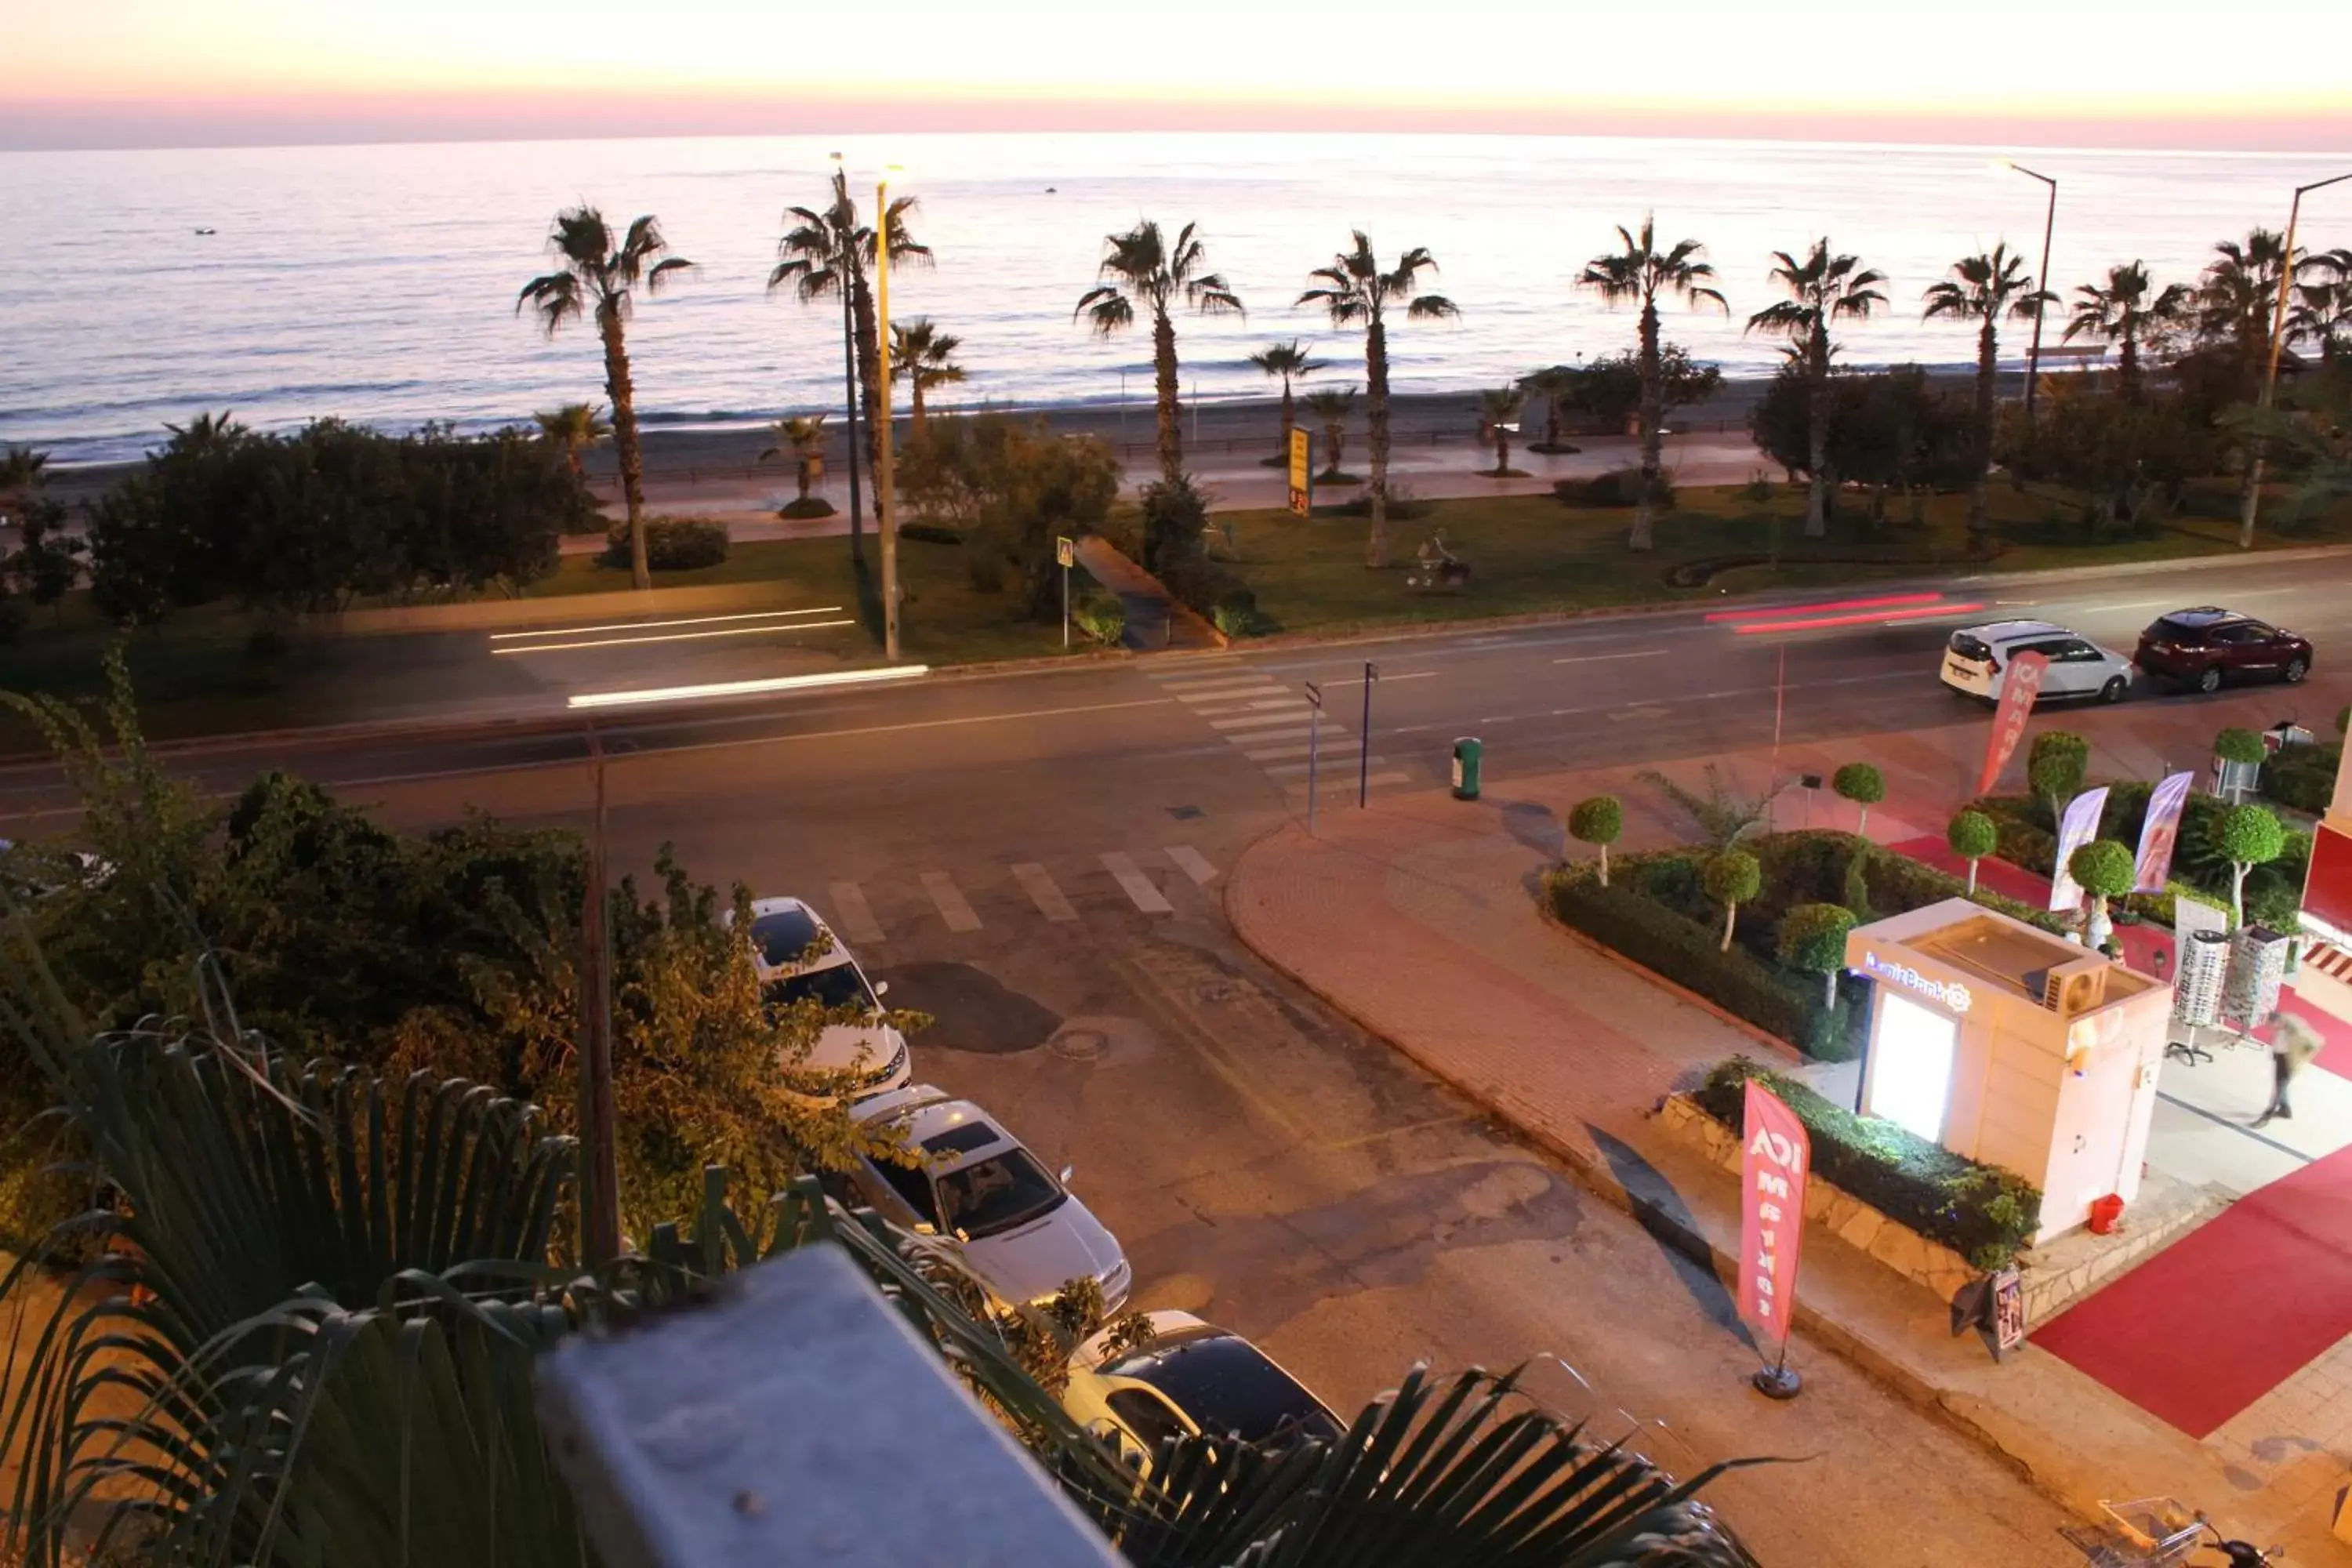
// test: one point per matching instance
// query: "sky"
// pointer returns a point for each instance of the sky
(128, 73)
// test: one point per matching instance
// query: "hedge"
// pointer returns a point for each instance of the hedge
(1983, 1213)
(2273, 892)
(672, 545)
(2304, 777)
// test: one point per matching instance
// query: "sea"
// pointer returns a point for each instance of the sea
(378, 283)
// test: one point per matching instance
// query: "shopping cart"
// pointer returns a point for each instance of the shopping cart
(2150, 1533)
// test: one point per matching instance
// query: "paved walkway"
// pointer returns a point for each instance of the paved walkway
(1154, 621)
(1416, 917)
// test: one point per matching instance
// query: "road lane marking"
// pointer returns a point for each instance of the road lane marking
(1259, 720)
(1298, 787)
(1600, 658)
(1137, 886)
(1335, 1145)
(1384, 679)
(854, 913)
(949, 900)
(1294, 732)
(663, 626)
(1193, 864)
(1223, 690)
(1343, 761)
(1044, 893)
(1331, 748)
(671, 637)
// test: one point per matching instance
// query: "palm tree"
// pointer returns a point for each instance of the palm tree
(596, 277)
(1331, 408)
(923, 356)
(801, 438)
(2122, 312)
(2236, 297)
(1141, 267)
(2323, 309)
(574, 428)
(1498, 410)
(1641, 272)
(831, 253)
(1353, 291)
(1291, 363)
(1553, 385)
(1983, 288)
(1822, 289)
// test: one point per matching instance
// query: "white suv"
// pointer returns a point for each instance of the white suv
(800, 960)
(1977, 659)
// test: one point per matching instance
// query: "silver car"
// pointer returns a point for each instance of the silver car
(1021, 1231)
(800, 960)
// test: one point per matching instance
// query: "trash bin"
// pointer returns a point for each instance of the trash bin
(1467, 751)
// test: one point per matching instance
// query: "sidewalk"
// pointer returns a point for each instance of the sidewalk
(1417, 918)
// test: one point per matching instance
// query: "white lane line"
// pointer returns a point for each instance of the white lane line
(1256, 737)
(1385, 679)
(1241, 729)
(949, 901)
(1346, 747)
(1137, 886)
(1225, 690)
(1301, 767)
(1044, 893)
(1601, 658)
(853, 914)
(1299, 786)
(1243, 711)
(1193, 864)
(1217, 669)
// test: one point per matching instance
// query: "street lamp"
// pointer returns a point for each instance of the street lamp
(849, 387)
(886, 514)
(2042, 283)
(2278, 341)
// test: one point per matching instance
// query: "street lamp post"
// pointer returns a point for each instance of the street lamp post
(2278, 341)
(2041, 282)
(885, 512)
(849, 387)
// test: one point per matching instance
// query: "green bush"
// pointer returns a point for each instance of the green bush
(1617, 487)
(1403, 506)
(2304, 777)
(1100, 617)
(931, 532)
(2242, 746)
(672, 545)
(1812, 938)
(1983, 1213)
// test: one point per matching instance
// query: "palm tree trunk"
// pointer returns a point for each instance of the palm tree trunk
(869, 361)
(1287, 422)
(1376, 422)
(1335, 447)
(1502, 450)
(1817, 493)
(1653, 439)
(2127, 365)
(623, 398)
(915, 390)
(1988, 362)
(1551, 423)
(1163, 381)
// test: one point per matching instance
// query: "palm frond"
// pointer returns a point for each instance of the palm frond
(1431, 306)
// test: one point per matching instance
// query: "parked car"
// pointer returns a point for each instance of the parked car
(1977, 658)
(800, 960)
(2208, 645)
(1022, 1232)
(1191, 1377)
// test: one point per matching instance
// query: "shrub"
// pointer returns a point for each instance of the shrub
(1731, 878)
(1972, 836)
(931, 532)
(1616, 487)
(2056, 766)
(1598, 821)
(1862, 785)
(1214, 593)
(2241, 746)
(1813, 937)
(984, 568)
(2304, 777)
(2247, 836)
(1404, 506)
(1101, 617)
(672, 545)
(800, 507)
(1175, 519)
(1983, 1213)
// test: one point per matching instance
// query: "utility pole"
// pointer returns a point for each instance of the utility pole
(1364, 751)
(600, 1177)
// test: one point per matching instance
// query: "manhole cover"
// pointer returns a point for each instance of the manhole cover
(1216, 990)
(1079, 1045)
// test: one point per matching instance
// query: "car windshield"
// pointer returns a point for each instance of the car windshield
(997, 1194)
(785, 936)
(839, 985)
(1971, 648)
(1227, 1385)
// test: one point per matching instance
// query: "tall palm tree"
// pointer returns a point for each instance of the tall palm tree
(1498, 410)
(2125, 312)
(573, 427)
(598, 278)
(801, 438)
(1983, 288)
(1552, 383)
(1330, 408)
(831, 253)
(1354, 291)
(1640, 272)
(1291, 361)
(923, 356)
(1141, 267)
(2323, 307)
(1822, 289)
(2236, 297)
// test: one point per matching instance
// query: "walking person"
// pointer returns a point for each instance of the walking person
(2293, 1045)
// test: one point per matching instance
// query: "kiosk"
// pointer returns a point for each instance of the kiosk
(2014, 1048)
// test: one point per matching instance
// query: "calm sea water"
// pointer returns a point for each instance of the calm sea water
(378, 283)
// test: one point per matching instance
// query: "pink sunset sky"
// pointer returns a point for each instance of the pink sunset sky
(131, 73)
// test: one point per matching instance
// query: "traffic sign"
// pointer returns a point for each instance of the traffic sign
(1299, 485)
(1066, 552)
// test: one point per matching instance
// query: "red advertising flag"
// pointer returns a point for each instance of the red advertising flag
(1772, 1212)
(2019, 688)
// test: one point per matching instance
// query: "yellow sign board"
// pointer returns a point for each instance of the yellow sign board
(1299, 476)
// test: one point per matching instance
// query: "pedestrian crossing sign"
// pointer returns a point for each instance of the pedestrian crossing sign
(1066, 552)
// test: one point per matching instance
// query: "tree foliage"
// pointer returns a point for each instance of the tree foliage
(1014, 485)
(2056, 765)
(2102, 868)
(1813, 937)
(1892, 430)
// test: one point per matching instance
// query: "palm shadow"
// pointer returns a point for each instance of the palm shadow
(1660, 1210)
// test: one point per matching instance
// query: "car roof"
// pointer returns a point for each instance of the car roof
(782, 930)
(1220, 1381)
(2202, 616)
(926, 1114)
(2017, 631)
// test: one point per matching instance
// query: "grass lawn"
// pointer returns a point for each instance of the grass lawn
(1531, 553)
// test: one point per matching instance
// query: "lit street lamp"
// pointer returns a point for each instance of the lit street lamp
(2278, 341)
(2041, 282)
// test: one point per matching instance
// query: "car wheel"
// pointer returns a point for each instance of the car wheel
(2112, 691)
(2209, 679)
(2296, 670)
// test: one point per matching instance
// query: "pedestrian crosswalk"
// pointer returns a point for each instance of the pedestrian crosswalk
(1177, 879)
(1274, 726)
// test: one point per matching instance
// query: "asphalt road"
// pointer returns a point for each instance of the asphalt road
(1037, 859)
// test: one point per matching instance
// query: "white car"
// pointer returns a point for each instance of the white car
(1976, 661)
(1191, 1377)
(1021, 1231)
(799, 959)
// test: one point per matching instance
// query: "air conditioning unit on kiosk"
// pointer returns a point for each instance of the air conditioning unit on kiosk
(2068, 989)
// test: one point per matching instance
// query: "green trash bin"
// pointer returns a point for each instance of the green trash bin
(1466, 752)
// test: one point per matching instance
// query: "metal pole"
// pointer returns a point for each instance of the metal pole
(2041, 283)
(1314, 749)
(600, 1180)
(1780, 692)
(1364, 751)
(1065, 609)
(886, 518)
(849, 394)
(2278, 342)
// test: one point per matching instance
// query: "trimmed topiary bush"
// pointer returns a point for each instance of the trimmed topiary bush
(1862, 785)
(1972, 836)
(2055, 767)
(2247, 836)
(1813, 937)
(1732, 877)
(672, 545)
(2241, 746)
(1598, 822)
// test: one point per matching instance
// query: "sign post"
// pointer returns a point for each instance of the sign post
(1776, 1159)
(1302, 482)
(1364, 750)
(1066, 552)
(1314, 748)
(2019, 688)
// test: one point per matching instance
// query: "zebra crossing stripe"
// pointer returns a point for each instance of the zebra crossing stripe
(1042, 892)
(1277, 713)
(949, 901)
(1258, 737)
(1348, 782)
(1136, 885)
(1193, 864)
(1302, 767)
(1343, 746)
(1233, 693)
(853, 914)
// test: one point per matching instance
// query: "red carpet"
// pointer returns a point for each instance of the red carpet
(2222, 1316)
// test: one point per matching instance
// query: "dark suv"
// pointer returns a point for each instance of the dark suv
(2206, 646)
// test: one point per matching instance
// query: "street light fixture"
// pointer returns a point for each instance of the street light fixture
(886, 513)
(2041, 282)
(2278, 341)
